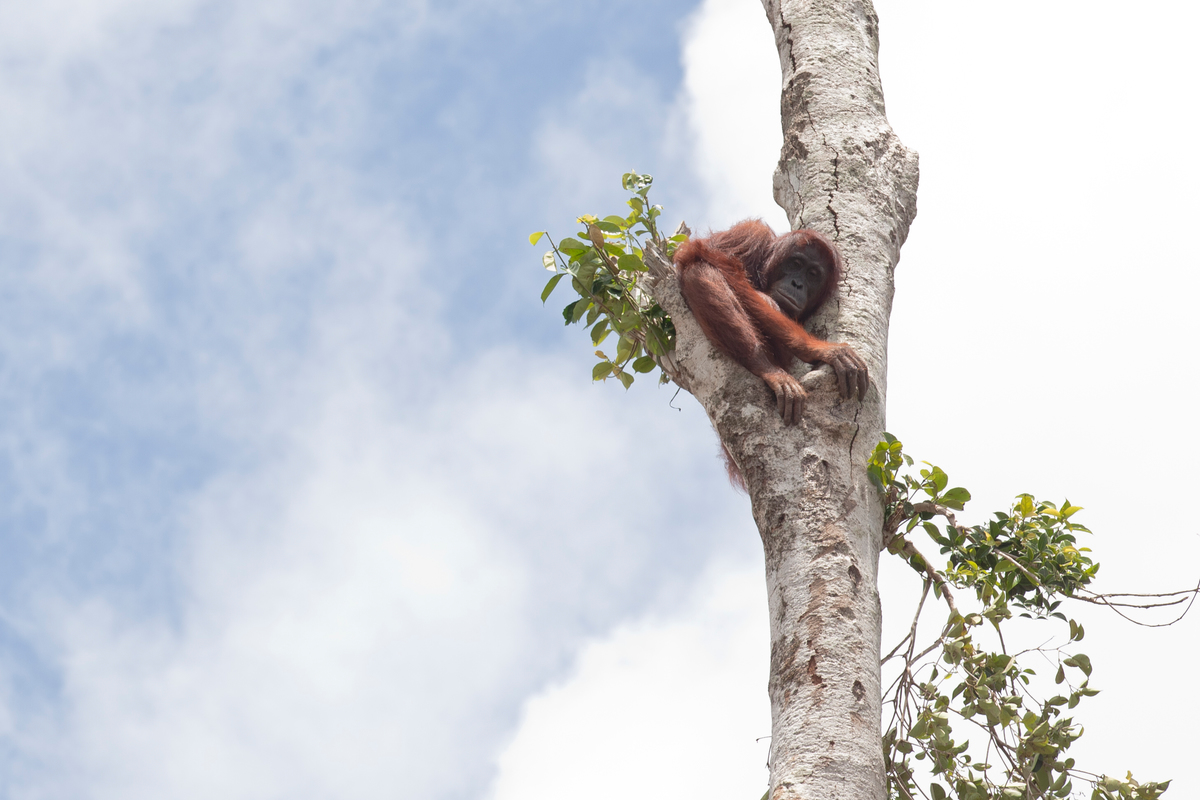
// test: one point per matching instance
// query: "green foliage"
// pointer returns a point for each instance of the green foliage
(1028, 559)
(606, 270)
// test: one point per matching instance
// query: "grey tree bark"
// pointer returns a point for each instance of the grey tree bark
(843, 172)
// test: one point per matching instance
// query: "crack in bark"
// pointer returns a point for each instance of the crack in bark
(837, 232)
(786, 27)
(857, 428)
(837, 178)
(774, 9)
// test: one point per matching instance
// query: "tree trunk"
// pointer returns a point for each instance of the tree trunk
(845, 173)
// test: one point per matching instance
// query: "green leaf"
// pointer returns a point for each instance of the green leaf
(536, 236)
(587, 272)
(572, 246)
(956, 497)
(580, 309)
(600, 332)
(644, 364)
(602, 370)
(937, 792)
(939, 478)
(551, 284)
(630, 263)
(624, 377)
(569, 312)
(610, 227)
(624, 348)
(1080, 661)
(657, 341)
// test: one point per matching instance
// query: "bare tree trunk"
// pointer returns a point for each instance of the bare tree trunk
(843, 172)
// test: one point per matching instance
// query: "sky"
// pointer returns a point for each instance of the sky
(303, 494)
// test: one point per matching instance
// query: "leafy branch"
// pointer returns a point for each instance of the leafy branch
(1027, 558)
(606, 269)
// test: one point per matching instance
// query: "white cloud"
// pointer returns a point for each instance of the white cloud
(673, 704)
(718, 138)
(349, 592)
(731, 103)
(358, 603)
(348, 628)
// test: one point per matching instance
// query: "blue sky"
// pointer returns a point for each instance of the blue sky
(304, 493)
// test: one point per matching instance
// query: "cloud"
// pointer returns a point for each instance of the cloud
(347, 629)
(730, 101)
(356, 604)
(672, 704)
(713, 145)
(272, 529)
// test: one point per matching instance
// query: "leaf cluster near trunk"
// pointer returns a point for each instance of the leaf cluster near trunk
(605, 269)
